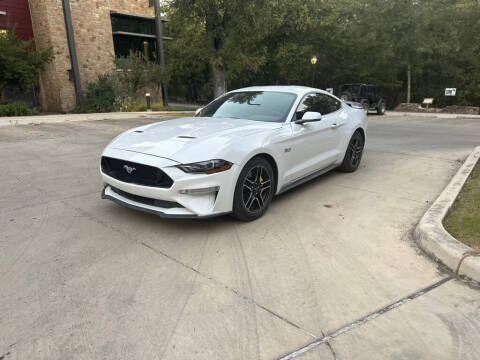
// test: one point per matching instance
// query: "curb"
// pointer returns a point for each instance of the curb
(432, 237)
(432, 115)
(63, 118)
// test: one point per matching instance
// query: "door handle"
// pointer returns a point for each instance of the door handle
(334, 126)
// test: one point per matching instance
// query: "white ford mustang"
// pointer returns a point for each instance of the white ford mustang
(235, 154)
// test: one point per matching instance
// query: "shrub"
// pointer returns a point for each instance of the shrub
(16, 109)
(20, 63)
(106, 94)
(133, 71)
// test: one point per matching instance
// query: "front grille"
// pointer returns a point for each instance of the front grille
(141, 175)
(147, 201)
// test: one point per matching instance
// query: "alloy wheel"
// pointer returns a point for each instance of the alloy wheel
(355, 150)
(256, 189)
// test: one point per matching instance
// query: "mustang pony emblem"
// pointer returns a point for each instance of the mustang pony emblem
(129, 169)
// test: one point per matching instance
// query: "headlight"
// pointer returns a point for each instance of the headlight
(206, 167)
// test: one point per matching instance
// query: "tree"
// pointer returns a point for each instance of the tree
(221, 22)
(133, 71)
(20, 63)
(156, 76)
(188, 58)
(412, 49)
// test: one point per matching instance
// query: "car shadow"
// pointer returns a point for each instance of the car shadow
(147, 219)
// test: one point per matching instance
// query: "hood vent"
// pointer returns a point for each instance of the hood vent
(186, 137)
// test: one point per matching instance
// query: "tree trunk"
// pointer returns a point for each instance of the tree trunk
(409, 83)
(217, 43)
(2, 86)
(219, 84)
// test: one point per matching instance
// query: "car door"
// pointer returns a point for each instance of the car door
(314, 145)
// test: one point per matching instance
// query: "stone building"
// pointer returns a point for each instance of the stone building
(102, 30)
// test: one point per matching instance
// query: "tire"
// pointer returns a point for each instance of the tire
(381, 108)
(354, 153)
(365, 106)
(345, 96)
(254, 190)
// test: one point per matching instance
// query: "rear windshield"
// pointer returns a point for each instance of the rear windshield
(354, 89)
(271, 106)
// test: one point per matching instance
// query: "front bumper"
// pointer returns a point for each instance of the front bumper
(170, 203)
(109, 194)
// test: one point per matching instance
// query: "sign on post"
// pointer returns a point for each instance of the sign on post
(428, 101)
(450, 91)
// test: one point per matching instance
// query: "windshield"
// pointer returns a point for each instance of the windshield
(268, 106)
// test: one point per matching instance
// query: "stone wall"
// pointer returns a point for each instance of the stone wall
(454, 109)
(93, 38)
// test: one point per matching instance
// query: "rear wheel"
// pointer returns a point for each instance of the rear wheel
(354, 153)
(254, 190)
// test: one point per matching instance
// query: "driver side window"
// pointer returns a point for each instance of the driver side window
(320, 103)
(311, 102)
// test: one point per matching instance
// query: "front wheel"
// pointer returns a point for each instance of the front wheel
(354, 153)
(381, 108)
(365, 106)
(254, 190)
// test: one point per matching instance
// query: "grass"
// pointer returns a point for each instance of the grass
(463, 219)
(160, 107)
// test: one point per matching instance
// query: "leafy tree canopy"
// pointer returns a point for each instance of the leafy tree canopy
(263, 42)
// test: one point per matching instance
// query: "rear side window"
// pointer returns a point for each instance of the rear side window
(330, 104)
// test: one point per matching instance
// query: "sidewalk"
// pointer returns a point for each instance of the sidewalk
(50, 119)
(437, 115)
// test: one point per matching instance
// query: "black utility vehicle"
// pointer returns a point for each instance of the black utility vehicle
(367, 95)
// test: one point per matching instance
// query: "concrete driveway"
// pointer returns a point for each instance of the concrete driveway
(331, 265)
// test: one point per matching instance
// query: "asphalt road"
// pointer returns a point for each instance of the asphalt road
(83, 278)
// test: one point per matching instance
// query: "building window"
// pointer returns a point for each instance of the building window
(133, 33)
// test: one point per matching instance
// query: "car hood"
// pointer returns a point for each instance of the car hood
(189, 140)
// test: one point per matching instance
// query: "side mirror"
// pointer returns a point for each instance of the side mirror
(309, 116)
(198, 111)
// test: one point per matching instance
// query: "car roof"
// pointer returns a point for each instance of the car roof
(299, 90)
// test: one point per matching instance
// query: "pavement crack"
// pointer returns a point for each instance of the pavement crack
(232, 290)
(330, 347)
(363, 320)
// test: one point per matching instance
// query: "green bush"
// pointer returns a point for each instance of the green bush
(106, 94)
(16, 109)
